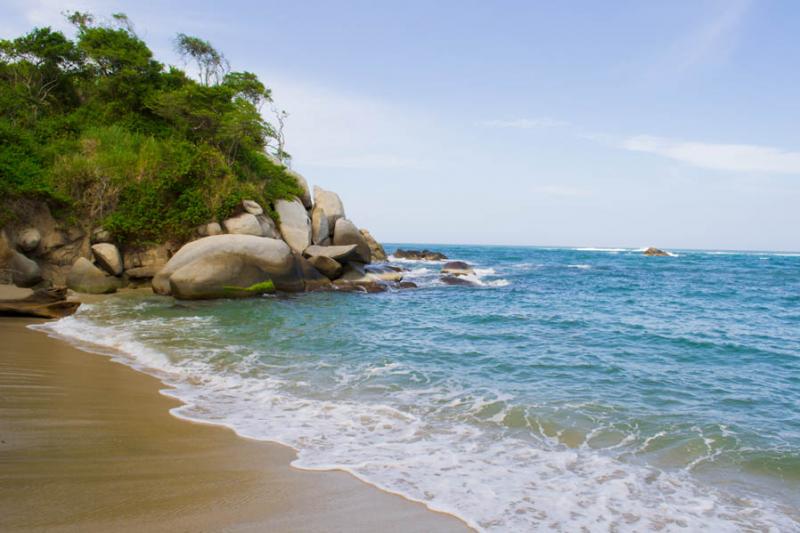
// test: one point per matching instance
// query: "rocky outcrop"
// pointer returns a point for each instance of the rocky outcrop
(320, 232)
(244, 224)
(342, 254)
(329, 267)
(655, 252)
(295, 226)
(108, 257)
(313, 279)
(52, 303)
(377, 253)
(330, 204)
(456, 280)
(252, 207)
(355, 277)
(384, 273)
(419, 255)
(345, 233)
(87, 278)
(225, 266)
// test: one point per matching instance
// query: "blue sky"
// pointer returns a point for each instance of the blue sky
(623, 123)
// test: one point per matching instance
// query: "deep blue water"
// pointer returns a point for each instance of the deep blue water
(570, 388)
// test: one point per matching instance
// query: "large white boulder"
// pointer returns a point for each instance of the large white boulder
(345, 233)
(225, 266)
(107, 256)
(244, 224)
(294, 224)
(330, 204)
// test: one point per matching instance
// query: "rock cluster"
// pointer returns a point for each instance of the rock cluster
(655, 252)
(314, 247)
(311, 245)
(42, 303)
(420, 255)
(456, 273)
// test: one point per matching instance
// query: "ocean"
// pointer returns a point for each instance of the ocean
(569, 388)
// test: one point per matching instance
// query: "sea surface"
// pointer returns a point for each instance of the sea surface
(569, 388)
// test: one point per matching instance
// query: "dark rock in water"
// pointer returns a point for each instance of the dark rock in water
(327, 265)
(313, 279)
(407, 285)
(49, 303)
(383, 273)
(420, 255)
(457, 268)
(455, 280)
(656, 252)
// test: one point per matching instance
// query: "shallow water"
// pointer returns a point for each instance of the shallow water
(570, 388)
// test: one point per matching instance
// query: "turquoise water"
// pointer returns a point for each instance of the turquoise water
(571, 388)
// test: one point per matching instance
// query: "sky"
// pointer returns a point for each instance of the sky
(621, 123)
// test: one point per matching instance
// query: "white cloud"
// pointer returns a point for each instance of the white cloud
(730, 157)
(524, 123)
(333, 128)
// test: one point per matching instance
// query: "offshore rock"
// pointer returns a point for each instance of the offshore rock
(655, 252)
(419, 255)
(457, 268)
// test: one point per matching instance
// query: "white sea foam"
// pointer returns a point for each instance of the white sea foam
(408, 443)
(580, 266)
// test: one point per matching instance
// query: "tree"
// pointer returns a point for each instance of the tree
(211, 64)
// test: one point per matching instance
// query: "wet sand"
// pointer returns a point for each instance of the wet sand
(87, 444)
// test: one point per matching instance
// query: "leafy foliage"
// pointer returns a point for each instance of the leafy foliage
(97, 127)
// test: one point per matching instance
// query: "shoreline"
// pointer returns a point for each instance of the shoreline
(94, 443)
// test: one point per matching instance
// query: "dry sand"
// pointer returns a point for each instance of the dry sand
(87, 444)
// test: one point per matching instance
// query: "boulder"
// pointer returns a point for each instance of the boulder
(313, 279)
(49, 303)
(212, 228)
(320, 231)
(305, 198)
(294, 224)
(448, 279)
(384, 273)
(244, 224)
(354, 276)
(268, 228)
(655, 252)
(342, 254)
(407, 285)
(225, 266)
(330, 204)
(345, 232)
(28, 239)
(108, 257)
(15, 267)
(377, 252)
(87, 278)
(457, 268)
(100, 235)
(328, 266)
(252, 207)
(153, 258)
(419, 255)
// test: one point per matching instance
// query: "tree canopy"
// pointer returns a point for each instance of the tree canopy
(101, 130)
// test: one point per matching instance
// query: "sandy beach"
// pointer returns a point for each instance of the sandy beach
(87, 444)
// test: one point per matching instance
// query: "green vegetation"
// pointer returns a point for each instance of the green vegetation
(258, 288)
(107, 135)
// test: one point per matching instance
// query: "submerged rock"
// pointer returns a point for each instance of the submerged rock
(655, 252)
(420, 255)
(87, 278)
(449, 279)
